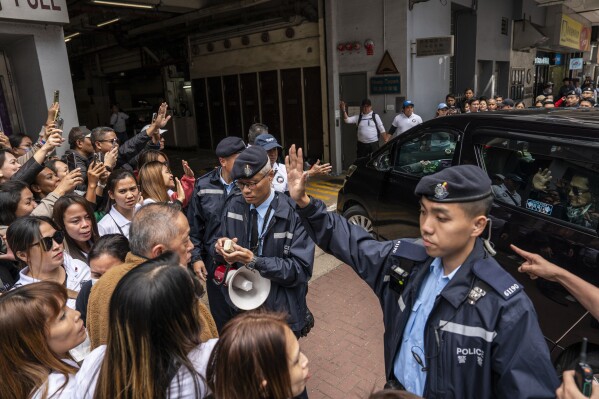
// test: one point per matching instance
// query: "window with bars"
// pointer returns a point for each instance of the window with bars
(517, 76)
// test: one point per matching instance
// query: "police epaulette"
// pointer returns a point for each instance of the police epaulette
(409, 250)
(489, 271)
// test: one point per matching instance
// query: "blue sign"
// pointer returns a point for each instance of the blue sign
(540, 207)
(557, 60)
(385, 84)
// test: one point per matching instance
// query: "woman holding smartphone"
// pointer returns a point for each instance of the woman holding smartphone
(155, 179)
(124, 195)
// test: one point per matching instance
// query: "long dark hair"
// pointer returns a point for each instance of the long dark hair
(115, 245)
(25, 231)
(60, 207)
(154, 321)
(252, 347)
(10, 195)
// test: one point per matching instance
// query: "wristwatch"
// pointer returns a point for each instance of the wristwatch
(251, 265)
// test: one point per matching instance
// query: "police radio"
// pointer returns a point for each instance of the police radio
(397, 279)
(584, 373)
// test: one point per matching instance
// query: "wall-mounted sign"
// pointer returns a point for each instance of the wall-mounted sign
(575, 35)
(386, 66)
(46, 11)
(542, 61)
(385, 84)
(576, 63)
(442, 45)
(558, 59)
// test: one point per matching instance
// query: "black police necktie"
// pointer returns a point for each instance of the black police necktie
(254, 228)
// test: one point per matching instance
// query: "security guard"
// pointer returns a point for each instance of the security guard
(269, 238)
(457, 325)
(203, 214)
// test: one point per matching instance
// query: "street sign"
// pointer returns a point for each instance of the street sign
(385, 84)
(442, 45)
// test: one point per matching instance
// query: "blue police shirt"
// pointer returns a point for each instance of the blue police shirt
(405, 367)
(261, 209)
(228, 186)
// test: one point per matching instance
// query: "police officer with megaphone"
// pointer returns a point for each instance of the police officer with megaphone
(268, 240)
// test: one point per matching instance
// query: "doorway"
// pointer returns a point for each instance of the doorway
(9, 116)
(352, 88)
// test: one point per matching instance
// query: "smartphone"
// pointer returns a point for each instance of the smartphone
(98, 157)
(58, 123)
(71, 162)
(57, 113)
(154, 116)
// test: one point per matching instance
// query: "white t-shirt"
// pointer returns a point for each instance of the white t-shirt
(54, 382)
(403, 123)
(118, 121)
(182, 386)
(111, 222)
(77, 273)
(367, 130)
(280, 180)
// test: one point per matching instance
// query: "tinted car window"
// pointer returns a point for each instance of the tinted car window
(556, 179)
(426, 154)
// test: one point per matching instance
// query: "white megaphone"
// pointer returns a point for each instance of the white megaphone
(247, 288)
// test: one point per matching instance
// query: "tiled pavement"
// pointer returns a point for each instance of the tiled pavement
(345, 347)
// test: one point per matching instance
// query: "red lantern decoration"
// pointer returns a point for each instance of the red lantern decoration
(348, 46)
(357, 46)
(340, 47)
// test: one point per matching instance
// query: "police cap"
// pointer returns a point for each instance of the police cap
(249, 162)
(267, 141)
(463, 183)
(229, 146)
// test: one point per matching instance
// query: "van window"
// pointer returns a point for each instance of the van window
(558, 179)
(425, 154)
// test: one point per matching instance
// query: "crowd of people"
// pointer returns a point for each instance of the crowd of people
(106, 256)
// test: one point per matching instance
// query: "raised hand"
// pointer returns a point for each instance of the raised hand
(69, 182)
(320, 169)
(296, 177)
(95, 171)
(180, 190)
(110, 157)
(187, 169)
(541, 179)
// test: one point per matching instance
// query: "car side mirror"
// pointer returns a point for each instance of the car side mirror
(382, 162)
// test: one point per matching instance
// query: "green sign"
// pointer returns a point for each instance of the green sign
(385, 84)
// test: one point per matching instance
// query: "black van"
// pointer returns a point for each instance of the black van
(545, 171)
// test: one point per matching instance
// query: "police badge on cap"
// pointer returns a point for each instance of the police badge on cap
(463, 183)
(249, 162)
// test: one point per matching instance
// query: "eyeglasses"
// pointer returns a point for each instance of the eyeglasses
(113, 141)
(578, 191)
(251, 185)
(46, 242)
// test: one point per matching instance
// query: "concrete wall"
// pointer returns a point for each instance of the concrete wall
(40, 65)
(279, 53)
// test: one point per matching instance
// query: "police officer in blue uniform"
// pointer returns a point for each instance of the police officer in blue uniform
(269, 238)
(457, 325)
(204, 213)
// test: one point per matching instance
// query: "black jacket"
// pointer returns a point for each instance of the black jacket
(204, 215)
(131, 148)
(492, 348)
(287, 254)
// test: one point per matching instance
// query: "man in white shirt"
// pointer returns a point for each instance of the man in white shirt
(370, 127)
(405, 120)
(118, 121)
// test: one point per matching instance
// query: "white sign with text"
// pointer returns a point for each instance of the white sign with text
(46, 11)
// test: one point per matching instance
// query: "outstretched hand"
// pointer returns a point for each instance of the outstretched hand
(536, 266)
(296, 177)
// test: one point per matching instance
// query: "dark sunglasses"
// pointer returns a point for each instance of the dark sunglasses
(578, 191)
(46, 242)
